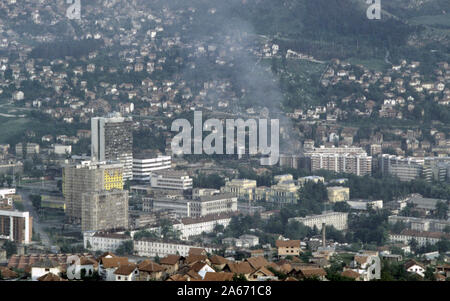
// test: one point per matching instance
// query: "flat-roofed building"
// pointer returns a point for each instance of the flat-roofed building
(364, 205)
(103, 241)
(336, 219)
(420, 224)
(104, 210)
(148, 247)
(16, 226)
(144, 165)
(422, 237)
(196, 226)
(352, 160)
(88, 177)
(112, 140)
(171, 180)
(213, 204)
(195, 207)
(338, 194)
(243, 189)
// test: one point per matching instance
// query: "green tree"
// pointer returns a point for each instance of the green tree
(441, 209)
(10, 248)
(126, 248)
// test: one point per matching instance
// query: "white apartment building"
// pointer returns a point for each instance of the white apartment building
(143, 167)
(171, 180)
(196, 207)
(151, 248)
(422, 238)
(213, 204)
(336, 219)
(420, 224)
(104, 242)
(196, 226)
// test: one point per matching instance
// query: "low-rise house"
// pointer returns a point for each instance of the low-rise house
(239, 268)
(257, 262)
(149, 270)
(415, 267)
(351, 274)
(171, 263)
(367, 265)
(202, 268)
(262, 274)
(218, 262)
(444, 269)
(7, 274)
(84, 267)
(108, 265)
(288, 247)
(305, 272)
(51, 277)
(126, 272)
(43, 267)
(218, 276)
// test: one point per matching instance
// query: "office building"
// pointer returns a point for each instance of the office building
(143, 166)
(112, 140)
(16, 226)
(104, 210)
(171, 180)
(88, 177)
(406, 169)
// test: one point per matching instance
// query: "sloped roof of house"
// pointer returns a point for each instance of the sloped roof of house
(257, 262)
(412, 262)
(312, 271)
(51, 277)
(197, 251)
(218, 276)
(193, 275)
(240, 267)
(88, 261)
(218, 260)
(178, 277)
(350, 274)
(198, 266)
(264, 271)
(7, 273)
(288, 243)
(125, 270)
(170, 259)
(194, 258)
(114, 262)
(150, 266)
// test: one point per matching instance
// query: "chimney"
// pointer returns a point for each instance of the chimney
(324, 242)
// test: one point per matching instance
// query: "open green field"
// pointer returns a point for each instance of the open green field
(371, 64)
(11, 127)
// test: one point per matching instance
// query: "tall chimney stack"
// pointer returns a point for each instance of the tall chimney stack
(324, 242)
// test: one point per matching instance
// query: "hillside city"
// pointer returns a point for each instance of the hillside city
(92, 187)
